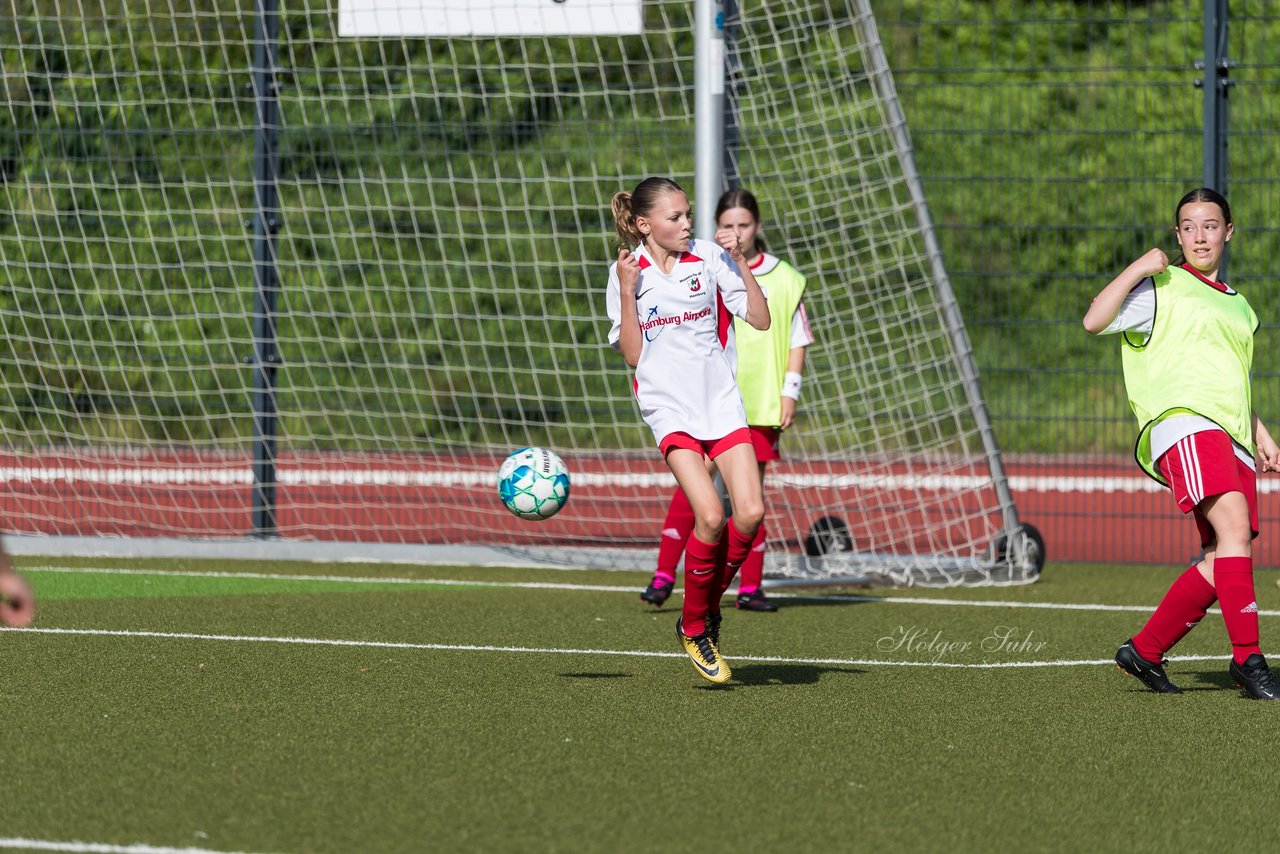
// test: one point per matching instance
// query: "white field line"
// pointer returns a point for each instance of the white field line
(179, 475)
(604, 588)
(97, 847)
(626, 653)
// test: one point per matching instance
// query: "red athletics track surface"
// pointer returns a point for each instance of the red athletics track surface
(1096, 509)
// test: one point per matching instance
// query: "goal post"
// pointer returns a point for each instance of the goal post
(907, 270)
(440, 254)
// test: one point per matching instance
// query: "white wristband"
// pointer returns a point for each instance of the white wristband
(791, 385)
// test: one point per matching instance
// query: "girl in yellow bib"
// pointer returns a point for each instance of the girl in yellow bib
(1187, 349)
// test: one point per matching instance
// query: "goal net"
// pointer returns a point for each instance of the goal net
(438, 255)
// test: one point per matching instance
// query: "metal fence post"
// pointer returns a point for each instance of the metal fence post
(1216, 84)
(708, 84)
(733, 71)
(266, 222)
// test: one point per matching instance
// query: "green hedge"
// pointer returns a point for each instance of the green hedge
(126, 256)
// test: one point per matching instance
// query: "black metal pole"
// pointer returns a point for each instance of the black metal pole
(1216, 84)
(733, 79)
(266, 222)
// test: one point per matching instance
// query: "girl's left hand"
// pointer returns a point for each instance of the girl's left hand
(788, 412)
(728, 240)
(1268, 453)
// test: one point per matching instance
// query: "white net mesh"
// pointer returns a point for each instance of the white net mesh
(442, 253)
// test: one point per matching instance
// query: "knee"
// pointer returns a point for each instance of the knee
(1236, 538)
(1230, 520)
(749, 515)
(711, 522)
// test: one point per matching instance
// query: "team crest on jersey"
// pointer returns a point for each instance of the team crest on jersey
(695, 285)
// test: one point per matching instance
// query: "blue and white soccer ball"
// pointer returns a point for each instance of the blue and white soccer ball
(533, 483)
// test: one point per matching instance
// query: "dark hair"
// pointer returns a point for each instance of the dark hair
(744, 199)
(1199, 194)
(639, 202)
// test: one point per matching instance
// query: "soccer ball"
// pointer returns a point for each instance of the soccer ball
(533, 483)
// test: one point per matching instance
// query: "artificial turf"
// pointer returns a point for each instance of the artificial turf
(477, 715)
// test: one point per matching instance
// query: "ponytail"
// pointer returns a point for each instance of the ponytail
(624, 222)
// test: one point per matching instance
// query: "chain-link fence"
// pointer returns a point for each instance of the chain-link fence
(1054, 142)
(438, 191)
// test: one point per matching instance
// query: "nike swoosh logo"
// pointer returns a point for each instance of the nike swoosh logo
(642, 293)
(708, 671)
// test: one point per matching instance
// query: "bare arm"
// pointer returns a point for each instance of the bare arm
(795, 365)
(1106, 305)
(629, 340)
(757, 304)
(1267, 451)
(795, 360)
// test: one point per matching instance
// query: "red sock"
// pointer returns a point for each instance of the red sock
(1233, 577)
(1186, 603)
(700, 586)
(722, 569)
(753, 567)
(737, 547)
(676, 530)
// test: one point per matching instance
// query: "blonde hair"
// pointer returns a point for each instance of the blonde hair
(639, 202)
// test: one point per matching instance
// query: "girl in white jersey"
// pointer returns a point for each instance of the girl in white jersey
(769, 366)
(1187, 350)
(662, 300)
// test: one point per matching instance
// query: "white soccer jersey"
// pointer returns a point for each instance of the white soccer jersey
(801, 335)
(1138, 311)
(684, 380)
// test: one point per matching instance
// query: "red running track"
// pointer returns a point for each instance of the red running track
(1097, 509)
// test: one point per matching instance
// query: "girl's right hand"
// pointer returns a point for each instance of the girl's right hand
(628, 272)
(1155, 261)
(728, 240)
(17, 602)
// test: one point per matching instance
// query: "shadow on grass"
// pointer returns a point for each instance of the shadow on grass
(757, 675)
(664, 609)
(796, 600)
(823, 600)
(1213, 680)
(1208, 681)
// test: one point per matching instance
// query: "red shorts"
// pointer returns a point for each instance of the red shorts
(765, 440)
(1204, 465)
(709, 447)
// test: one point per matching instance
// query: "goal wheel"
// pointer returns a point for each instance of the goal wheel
(828, 534)
(1024, 550)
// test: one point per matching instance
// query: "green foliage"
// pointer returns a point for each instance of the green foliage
(444, 223)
